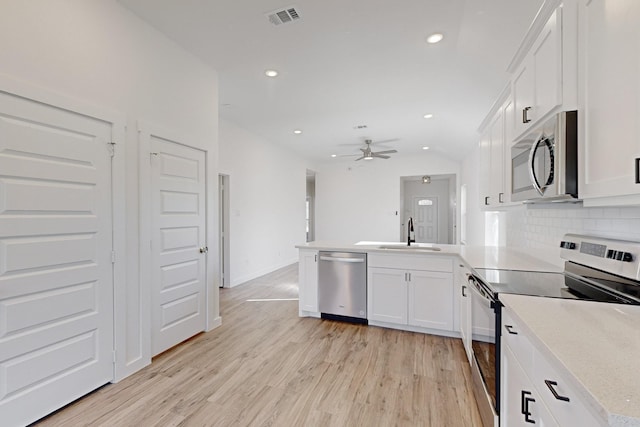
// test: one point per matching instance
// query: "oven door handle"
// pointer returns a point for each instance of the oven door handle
(475, 287)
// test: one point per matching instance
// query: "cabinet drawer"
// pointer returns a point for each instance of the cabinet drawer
(514, 337)
(411, 262)
(566, 405)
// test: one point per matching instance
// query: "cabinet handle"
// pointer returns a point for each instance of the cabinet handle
(486, 201)
(500, 197)
(551, 385)
(525, 115)
(315, 258)
(204, 249)
(463, 289)
(524, 400)
(637, 170)
(509, 329)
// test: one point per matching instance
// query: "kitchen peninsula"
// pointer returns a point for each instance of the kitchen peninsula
(434, 302)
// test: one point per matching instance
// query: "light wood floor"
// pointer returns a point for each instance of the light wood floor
(265, 366)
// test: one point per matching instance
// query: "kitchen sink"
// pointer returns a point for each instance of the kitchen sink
(410, 248)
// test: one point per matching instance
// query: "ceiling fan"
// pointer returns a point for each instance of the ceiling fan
(369, 154)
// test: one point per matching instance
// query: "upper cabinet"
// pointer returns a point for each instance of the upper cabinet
(537, 81)
(494, 149)
(609, 101)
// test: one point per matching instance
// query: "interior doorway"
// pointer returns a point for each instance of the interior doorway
(223, 215)
(311, 206)
(431, 201)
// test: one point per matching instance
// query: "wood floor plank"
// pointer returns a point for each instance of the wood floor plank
(265, 366)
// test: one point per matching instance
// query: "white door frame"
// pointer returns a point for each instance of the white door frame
(224, 232)
(145, 131)
(118, 196)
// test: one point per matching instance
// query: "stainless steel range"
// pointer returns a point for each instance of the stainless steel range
(596, 269)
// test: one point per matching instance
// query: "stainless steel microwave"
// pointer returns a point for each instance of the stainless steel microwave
(544, 162)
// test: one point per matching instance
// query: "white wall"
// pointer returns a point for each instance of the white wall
(100, 53)
(267, 202)
(362, 200)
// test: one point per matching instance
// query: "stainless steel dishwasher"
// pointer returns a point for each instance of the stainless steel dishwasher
(342, 286)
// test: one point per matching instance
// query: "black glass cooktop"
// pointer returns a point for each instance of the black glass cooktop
(520, 282)
(579, 283)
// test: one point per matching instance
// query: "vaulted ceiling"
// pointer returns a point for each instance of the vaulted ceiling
(352, 63)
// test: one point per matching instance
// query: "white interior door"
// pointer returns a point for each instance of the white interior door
(56, 272)
(178, 249)
(425, 219)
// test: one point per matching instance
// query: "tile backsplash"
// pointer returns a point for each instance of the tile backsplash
(541, 227)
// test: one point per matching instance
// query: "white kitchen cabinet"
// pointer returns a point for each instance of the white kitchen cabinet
(521, 404)
(526, 373)
(609, 101)
(411, 290)
(387, 295)
(537, 82)
(430, 299)
(464, 309)
(308, 282)
(493, 160)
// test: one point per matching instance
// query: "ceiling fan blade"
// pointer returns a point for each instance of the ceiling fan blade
(359, 158)
(364, 150)
(381, 157)
(386, 152)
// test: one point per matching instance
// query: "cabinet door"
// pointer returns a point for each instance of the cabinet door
(537, 84)
(497, 159)
(546, 59)
(387, 295)
(610, 105)
(465, 313)
(431, 299)
(520, 403)
(485, 169)
(308, 281)
(560, 397)
(523, 97)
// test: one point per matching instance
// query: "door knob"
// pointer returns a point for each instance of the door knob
(204, 250)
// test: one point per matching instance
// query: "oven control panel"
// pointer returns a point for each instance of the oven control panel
(614, 256)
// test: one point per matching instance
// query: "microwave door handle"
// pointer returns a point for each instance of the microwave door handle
(532, 167)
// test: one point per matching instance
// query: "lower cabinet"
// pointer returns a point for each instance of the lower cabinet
(411, 297)
(308, 281)
(521, 403)
(532, 389)
(464, 309)
(387, 295)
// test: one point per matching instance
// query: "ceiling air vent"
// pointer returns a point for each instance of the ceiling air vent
(283, 16)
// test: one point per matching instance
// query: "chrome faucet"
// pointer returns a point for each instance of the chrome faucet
(410, 231)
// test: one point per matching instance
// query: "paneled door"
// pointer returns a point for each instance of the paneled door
(178, 249)
(56, 271)
(425, 217)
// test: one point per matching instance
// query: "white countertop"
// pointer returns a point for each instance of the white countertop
(597, 343)
(474, 256)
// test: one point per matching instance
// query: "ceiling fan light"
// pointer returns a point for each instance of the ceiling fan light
(369, 157)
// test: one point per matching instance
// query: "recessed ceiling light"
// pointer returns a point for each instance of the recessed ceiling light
(428, 116)
(334, 155)
(297, 131)
(425, 148)
(434, 38)
(270, 73)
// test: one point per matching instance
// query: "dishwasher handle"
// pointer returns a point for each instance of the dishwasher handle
(337, 259)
